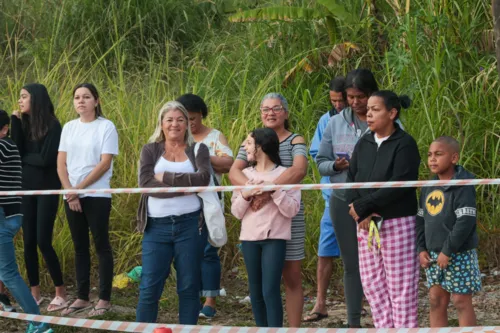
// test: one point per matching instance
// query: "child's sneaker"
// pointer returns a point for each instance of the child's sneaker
(207, 312)
(5, 303)
(41, 328)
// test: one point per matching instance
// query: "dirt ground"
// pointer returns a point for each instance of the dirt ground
(231, 311)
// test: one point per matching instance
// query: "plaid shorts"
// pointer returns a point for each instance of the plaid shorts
(462, 276)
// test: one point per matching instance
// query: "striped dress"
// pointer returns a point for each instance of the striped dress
(295, 248)
(10, 177)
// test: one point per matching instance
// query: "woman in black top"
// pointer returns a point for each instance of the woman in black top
(36, 132)
(388, 263)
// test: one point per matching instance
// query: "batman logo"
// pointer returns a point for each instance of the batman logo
(434, 202)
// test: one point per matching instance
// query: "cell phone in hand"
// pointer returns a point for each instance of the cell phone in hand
(343, 155)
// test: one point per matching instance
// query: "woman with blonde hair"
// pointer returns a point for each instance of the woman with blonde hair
(221, 159)
(172, 223)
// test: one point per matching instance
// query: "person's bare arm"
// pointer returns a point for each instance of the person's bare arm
(296, 173)
(236, 175)
(62, 172)
(98, 171)
(222, 163)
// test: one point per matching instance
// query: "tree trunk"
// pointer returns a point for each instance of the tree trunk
(496, 28)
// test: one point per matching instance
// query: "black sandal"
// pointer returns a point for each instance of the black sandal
(315, 316)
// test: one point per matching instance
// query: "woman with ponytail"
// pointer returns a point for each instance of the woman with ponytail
(386, 216)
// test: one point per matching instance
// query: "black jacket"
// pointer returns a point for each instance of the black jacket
(39, 158)
(446, 220)
(397, 159)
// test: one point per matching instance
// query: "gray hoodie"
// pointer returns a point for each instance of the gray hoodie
(340, 135)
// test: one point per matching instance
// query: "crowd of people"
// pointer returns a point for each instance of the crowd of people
(383, 236)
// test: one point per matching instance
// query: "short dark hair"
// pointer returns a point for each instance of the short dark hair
(337, 84)
(449, 141)
(393, 101)
(4, 118)
(363, 80)
(194, 103)
(268, 141)
(95, 93)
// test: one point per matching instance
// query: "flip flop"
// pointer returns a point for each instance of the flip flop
(98, 311)
(39, 301)
(59, 303)
(75, 309)
(315, 316)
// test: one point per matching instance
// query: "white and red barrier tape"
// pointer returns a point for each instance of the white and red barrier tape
(124, 326)
(193, 189)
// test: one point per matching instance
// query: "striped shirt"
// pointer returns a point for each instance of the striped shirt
(10, 176)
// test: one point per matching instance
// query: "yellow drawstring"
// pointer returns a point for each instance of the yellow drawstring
(373, 230)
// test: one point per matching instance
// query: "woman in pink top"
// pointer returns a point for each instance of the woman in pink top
(265, 227)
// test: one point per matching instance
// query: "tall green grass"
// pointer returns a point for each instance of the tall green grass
(141, 54)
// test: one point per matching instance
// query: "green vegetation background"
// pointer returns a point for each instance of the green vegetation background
(142, 53)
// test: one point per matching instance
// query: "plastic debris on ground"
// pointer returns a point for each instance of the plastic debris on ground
(122, 280)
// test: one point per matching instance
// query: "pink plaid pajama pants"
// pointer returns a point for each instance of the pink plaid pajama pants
(390, 275)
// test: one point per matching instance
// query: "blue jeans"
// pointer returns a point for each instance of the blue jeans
(210, 271)
(176, 238)
(9, 272)
(264, 261)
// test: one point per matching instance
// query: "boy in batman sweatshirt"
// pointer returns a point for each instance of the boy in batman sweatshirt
(447, 237)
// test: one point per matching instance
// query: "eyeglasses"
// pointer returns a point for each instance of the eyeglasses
(275, 109)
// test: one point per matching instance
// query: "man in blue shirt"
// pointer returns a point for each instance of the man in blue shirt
(328, 247)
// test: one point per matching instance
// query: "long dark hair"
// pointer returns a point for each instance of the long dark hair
(268, 141)
(37, 123)
(363, 80)
(393, 101)
(93, 91)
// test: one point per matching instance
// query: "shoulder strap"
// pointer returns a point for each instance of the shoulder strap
(196, 147)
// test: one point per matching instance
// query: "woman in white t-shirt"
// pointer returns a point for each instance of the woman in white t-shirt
(221, 158)
(85, 161)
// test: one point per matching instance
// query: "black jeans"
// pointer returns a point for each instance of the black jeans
(347, 238)
(95, 216)
(39, 214)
